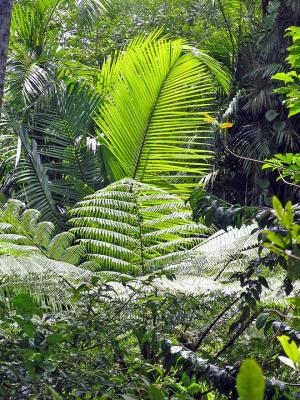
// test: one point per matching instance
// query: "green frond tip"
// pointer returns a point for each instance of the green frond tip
(132, 227)
(152, 122)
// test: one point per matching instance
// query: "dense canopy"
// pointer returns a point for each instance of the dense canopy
(149, 199)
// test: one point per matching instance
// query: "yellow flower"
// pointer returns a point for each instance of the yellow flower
(226, 125)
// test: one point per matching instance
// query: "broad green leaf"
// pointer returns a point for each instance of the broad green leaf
(294, 300)
(250, 381)
(54, 339)
(281, 76)
(27, 326)
(25, 305)
(278, 207)
(290, 348)
(155, 393)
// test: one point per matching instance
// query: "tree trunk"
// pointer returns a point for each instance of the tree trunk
(5, 17)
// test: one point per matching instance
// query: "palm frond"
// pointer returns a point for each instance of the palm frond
(32, 176)
(60, 162)
(90, 10)
(152, 123)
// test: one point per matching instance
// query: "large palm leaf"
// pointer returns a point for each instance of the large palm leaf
(59, 161)
(152, 122)
(89, 10)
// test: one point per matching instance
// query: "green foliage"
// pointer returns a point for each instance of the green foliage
(291, 78)
(33, 259)
(218, 212)
(291, 350)
(125, 355)
(53, 105)
(152, 124)
(284, 239)
(134, 228)
(261, 127)
(21, 232)
(250, 381)
(287, 165)
(76, 119)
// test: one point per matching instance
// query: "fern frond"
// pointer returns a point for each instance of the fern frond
(32, 259)
(47, 280)
(218, 249)
(133, 227)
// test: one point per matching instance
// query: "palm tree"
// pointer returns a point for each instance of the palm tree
(5, 17)
(53, 102)
(48, 117)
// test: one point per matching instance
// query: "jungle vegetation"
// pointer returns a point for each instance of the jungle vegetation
(149, 199)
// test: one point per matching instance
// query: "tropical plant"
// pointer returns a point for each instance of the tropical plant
(152, 123)
(223, 379)
(261, 125)
(133, 227)
(51, 113)
(287, 165)
(109, 148)
(49, 120)
(237, 21)
(33, 259)
(291, 78)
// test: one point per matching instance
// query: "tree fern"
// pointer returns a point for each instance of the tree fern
(220, 249)
(134, 227)
(207, 269)
(33, 259)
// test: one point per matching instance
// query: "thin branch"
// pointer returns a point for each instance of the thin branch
(281, 315)
(236, 336)
(208, 329)
(243, 158)
(50, 16)
(287, 182)
(262, 162)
